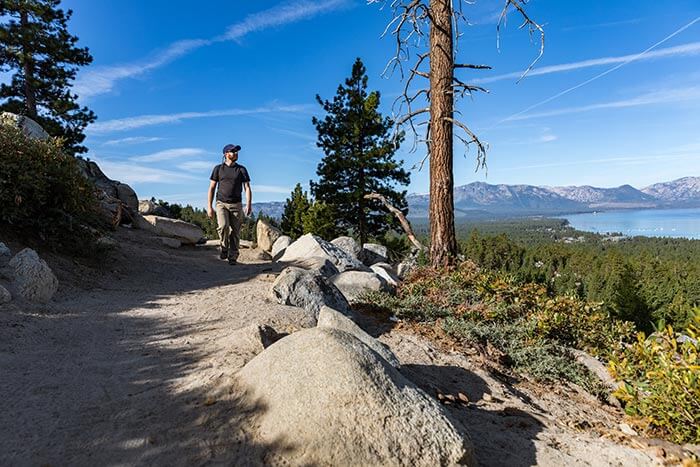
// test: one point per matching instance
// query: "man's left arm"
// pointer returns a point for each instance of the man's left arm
(249, 198)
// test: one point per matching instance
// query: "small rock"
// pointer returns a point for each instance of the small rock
(280, 245)
(348, 244)
(267, 235)
(34, 278)
(626, 429)
(462, 397)
(385, 271)
(373, 253)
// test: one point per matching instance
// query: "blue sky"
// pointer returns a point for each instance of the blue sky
(172, 84)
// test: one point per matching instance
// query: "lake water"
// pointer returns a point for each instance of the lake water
(648, 222)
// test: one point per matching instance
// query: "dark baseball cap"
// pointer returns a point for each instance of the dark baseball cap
(231, 148)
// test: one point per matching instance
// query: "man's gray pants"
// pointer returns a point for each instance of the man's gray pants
(228, 220)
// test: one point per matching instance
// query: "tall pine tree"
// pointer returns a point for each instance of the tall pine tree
(359, 158)
(42, 57)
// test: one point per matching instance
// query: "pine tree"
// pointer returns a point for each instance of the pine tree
(320, 219)
(292, 223)
(42, 57)
(359, 159)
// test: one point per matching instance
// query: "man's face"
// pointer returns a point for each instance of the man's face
(232, 156)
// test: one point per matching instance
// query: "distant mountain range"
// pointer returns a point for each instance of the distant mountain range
(480, 199)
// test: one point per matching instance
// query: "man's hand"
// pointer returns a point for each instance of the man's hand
(210, 213)
(248, 209)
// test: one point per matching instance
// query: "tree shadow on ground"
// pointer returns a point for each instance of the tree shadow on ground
(500, 437)
(86, 382)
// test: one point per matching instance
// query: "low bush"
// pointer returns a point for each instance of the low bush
(43, 193)
(661, 382)
(533, 329)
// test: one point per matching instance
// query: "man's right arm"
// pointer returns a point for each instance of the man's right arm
(210, 198)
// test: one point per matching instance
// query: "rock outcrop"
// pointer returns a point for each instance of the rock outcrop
(331, 400)
(33, 278)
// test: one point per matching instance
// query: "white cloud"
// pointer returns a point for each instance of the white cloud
(690, 49)
(134, 173)
(612, 160)
(657, 97)
(140, 121)
(131, 140)
(548, 138)
(103, 79)
(169, 154)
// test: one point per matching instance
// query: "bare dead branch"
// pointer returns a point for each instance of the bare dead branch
(532, 28)
(399, 215)
(473, 139)
(473, 67)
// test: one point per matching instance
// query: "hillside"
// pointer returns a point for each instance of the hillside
(137, 362)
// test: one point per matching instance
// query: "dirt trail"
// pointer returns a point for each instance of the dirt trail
(134, 365)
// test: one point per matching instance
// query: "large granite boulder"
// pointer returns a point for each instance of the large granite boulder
(348, 244)
(352, 284)
(29, 127)
(267, 234)
(280, 245)
(308, 290)
(33, 278)
(175, 228)
(311, 245)
(330, 318)
(373, 253)
(331, 400)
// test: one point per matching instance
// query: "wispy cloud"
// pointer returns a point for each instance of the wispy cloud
(657, 97)
(547, 138)
(608, 24)
(613, 160)
(198, 165)
(131, 140)
(169, 154)
(140, 121)
(690, 49)
(103, 79)
(134, 173)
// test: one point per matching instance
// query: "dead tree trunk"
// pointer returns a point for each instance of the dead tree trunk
(443, 244)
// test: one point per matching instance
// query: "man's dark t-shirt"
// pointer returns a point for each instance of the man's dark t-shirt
(230, 179)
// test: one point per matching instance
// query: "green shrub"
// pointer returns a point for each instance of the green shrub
(661, 382)
(43, 192)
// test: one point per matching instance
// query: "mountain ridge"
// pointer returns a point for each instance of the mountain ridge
(483, 199)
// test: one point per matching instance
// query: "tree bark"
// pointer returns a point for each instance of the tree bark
(29, 96)
(443, 243)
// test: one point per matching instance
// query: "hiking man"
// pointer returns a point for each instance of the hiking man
(231, 178)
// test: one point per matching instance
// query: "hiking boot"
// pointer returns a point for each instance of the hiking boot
(232, 261)
(223, 254)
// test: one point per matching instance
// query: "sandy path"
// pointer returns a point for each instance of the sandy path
(134, 366)
(134, 370)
